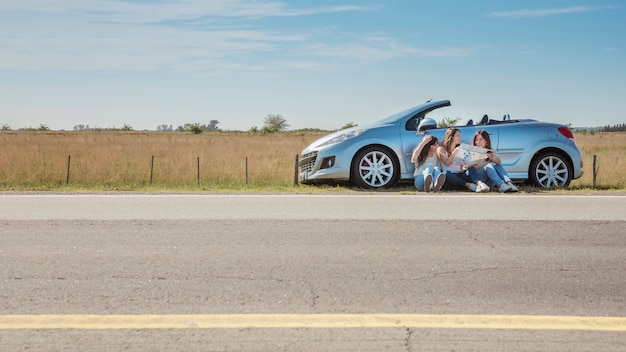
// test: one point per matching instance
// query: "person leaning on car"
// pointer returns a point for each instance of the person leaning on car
(493, 172)
(427, 165)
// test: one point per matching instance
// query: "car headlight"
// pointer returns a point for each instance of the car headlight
(342, 137)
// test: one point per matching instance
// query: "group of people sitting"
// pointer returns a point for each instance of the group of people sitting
(437, 169)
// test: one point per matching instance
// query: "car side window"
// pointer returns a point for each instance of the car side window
(413, 122)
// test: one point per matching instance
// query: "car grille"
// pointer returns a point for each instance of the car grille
(308, 161)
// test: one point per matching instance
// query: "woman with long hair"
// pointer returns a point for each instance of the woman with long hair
(493, 170)
(427, 165)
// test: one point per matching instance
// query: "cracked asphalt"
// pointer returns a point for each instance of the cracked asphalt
(128, 258)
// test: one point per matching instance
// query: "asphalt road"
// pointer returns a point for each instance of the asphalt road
(446, 272)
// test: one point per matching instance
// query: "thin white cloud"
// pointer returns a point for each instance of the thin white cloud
(378, 51)
(159, 11)
(530, 13)
(164, 35)
(73, 45)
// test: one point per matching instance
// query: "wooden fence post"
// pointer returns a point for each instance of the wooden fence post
(151, 169)
(594, 171)
(295, 171)
(246, 171)
(198, 170)
(67, 178)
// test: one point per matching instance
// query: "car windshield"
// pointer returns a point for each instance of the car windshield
(396, 116)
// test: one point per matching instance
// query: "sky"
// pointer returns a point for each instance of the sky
(319, 64)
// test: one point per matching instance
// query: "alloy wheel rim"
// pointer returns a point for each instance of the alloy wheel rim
(376, 169)
(552, 171)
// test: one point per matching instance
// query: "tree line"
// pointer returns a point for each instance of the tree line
(272, 123)
(615, 128)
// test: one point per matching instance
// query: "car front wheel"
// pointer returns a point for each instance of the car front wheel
(375, 167)
(550, 170)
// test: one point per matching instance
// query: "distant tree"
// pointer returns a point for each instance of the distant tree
(447, 122)
(6, 127)
(196, 128)
(192, 127)
(212, 126)
(127, 127)
(43, 127)
(81, 128)
(274, 123)
(165, 128)
(348, 125)
(184, 128)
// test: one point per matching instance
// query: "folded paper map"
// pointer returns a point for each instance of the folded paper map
(472, 155)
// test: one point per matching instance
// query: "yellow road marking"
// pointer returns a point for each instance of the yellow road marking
(229, 321)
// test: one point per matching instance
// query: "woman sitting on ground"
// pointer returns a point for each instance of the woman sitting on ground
(427, 165)
(494, 171)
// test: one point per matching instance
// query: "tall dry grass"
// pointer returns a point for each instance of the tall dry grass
(610, 151)
(121, 158)
(39, 159)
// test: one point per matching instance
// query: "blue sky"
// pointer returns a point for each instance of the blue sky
(319, 64)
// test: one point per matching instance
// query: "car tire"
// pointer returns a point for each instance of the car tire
(375, 167)
(550, 170)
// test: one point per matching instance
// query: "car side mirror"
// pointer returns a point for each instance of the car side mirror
(426, 124)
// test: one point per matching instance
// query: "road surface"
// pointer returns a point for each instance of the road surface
(312, 272)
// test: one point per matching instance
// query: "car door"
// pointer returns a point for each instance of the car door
(512, 144)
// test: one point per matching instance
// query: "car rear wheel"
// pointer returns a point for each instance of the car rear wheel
(550, 170)
(375, 167)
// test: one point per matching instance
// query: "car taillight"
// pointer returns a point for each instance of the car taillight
(567, 132)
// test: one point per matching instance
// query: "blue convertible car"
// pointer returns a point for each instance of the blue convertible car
(378, 155)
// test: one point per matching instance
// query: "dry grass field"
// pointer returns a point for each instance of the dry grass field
(610, 151)
(124, 159)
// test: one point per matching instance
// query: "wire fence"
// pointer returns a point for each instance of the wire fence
(74, 175)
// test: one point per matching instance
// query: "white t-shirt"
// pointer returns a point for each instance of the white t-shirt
(434, 160)
(453, 168)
